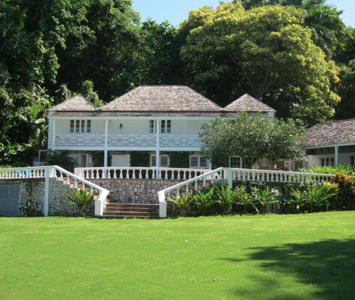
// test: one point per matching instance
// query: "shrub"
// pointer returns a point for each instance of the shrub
(203, 200)
(182, 202)
(264, 197)
(80, 198)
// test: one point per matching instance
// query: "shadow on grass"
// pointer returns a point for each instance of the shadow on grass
(327, 265)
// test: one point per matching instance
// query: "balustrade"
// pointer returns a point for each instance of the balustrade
(127, 140)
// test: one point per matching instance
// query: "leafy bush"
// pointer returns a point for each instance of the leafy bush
(264, 197)
(346, 169)
(80, 198)
(61, 159)
(203, 200)
(227, 196)
(310, 198)
(182, 202)
(345, 191)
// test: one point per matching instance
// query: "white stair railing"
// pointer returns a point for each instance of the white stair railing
(48, 172)
(230, 174)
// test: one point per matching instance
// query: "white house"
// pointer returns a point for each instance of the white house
(331, 143)
(155, 120)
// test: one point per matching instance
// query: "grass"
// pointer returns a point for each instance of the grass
(292, 257)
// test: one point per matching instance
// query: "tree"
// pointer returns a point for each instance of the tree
(162, 63)
(324, 20)
(269, 49)
(251, 137)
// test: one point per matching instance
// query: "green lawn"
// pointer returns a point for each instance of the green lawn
(284, 257)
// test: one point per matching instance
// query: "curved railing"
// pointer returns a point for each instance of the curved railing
(67, 177)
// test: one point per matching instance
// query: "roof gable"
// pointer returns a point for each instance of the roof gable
(331, 133)
(161, 98)
(77, 103)
(249, 104)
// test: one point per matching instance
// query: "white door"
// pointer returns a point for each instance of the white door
(121, 160)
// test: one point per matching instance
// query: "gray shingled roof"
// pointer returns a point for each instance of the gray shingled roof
(150, 101)
(77, 103)
(161, 98)
(332, 133)
(248, 103)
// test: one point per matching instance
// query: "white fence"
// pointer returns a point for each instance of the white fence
(47, 172)
(230, 174)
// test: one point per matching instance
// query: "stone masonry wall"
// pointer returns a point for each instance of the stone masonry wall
(31, 198)
(31, 194)
(134, 190)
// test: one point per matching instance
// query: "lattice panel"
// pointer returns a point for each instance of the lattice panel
(180, 140)
(80, 140)
(132, 140)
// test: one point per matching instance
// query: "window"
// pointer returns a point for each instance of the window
(165, 126)
(352, 160)
(236, 162)
(164, 160)
(152, 126)
(80, 126)
(197, 161)
(327, 161)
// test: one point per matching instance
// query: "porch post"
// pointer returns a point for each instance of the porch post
(336, 158)
(157, 150)
(53, 134)
(106, 144)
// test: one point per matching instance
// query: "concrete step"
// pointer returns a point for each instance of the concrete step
(131, 210)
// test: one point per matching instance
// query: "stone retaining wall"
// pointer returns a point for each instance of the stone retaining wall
(31, 198)
(134, 190)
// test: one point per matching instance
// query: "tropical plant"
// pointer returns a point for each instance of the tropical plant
(80, 198)
(345, 169)
(204, 199)
(61, 159)
(310, 198)
(247, 201)
(317, 196)
(182, 202)
(227, 196)
(264, 197)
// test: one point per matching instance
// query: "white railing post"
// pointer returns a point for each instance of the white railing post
(162, 204)
(46, 190)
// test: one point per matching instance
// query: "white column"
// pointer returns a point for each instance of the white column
(336, 158)
(106, 144)
(53, 134)
(157, 149)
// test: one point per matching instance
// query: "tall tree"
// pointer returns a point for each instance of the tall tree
(270, 49)
(323, 19)
(101, 41)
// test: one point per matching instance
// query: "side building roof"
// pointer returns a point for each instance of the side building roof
(77, 103)
(331, 133)
(249, 104)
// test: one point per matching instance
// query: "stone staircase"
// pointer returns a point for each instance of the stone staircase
(131, 210)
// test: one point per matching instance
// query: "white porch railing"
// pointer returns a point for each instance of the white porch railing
(127, 140)
(48, 172)
(230, 174)
(138, 173)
